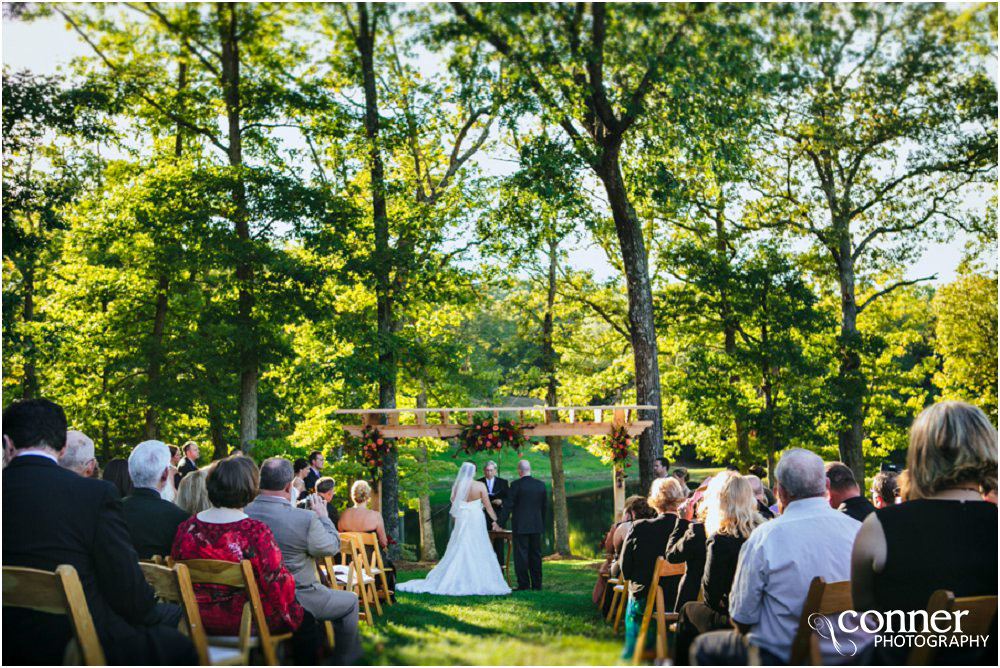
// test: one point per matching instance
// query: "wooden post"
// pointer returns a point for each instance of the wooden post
(376, 500)
(618, 471)
(618, 484)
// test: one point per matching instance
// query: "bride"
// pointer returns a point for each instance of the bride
(469, 566)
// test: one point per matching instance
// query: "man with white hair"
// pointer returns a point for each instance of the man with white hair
(758, 492)
(777, 564)
(152, 521)
(78, 456)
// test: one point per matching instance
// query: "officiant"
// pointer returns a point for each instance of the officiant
(497, 489)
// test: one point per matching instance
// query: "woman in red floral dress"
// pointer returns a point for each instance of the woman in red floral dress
(225, 533)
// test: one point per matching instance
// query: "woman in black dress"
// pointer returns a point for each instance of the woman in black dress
(730, 515)
(944, 536)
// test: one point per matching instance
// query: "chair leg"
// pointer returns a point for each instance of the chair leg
(613, 606)
(622, 600)
(374, 596)
(661, 626)
(328, 627)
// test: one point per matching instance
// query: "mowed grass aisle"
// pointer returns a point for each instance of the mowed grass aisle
(557, 625)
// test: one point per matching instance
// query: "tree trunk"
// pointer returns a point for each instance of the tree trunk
(640, 308)
(729, 337)
(382, 264)
(249, 371)
(428, 550)
(29, 386)
(850, 379)
(155, 355)
(560, 514)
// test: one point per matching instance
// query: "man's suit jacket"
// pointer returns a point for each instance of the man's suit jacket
(500, 489)
(187, 466)
(76, 521)
(525, 505)
(152, 522)
(302, 535)
(310, 481)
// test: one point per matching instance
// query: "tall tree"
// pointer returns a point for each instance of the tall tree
(577, 63)
(885, 123)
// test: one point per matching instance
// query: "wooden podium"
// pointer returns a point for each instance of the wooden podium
(508, 538)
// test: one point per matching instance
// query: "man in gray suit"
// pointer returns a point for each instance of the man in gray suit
(302, 536)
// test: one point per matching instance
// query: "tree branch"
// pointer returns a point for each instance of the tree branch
(898, 284)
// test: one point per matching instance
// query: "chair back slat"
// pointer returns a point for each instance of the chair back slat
(979, 620)
(56, 593)
(668, 569)
(215, 571)
(823, 598)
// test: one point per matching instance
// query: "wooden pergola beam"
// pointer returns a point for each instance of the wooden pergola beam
(528, 429)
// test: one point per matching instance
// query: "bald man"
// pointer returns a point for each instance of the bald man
(525, 505)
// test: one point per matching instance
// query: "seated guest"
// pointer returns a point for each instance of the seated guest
(777, 564)
(76, 521)
(192, 495)
(190, 463)
(731, 514)
(844, 493)
(646, 541)
(78, 456)
(303, 536)
(885, 489)
(300, 467)
(360, 518)
(682, 474)
(990, 493)
(635, 508)
(686, 544)
(224, 532)
(944, 536)
(152, 522)
(324, 488)
(758, 492)
(116, 472)
(169, 491)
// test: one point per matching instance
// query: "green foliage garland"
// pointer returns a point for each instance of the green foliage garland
(616, 447)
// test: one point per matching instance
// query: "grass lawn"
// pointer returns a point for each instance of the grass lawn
(555, 626)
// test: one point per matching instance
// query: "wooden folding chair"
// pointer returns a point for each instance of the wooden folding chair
(239, 576)
(374, 565)
(824, 598)
(57, 593)
(656, 605)
(981, 609)
(174, 586)
(324, 575)
(619, 599)
(354, 578)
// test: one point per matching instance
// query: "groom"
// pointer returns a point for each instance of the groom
(526, 506)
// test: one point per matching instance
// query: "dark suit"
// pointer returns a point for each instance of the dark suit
(187, 466)
(687, 546)
(764, 511)
(152, 522)
(310, 481)
(525, 505)
(857, 507)
(500, 489)
(78, 521)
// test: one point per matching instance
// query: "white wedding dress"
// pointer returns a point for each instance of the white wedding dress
(469, 566)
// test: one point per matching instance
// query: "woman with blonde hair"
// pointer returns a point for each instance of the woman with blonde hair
(730, 515)
(192, 493)
(646, 541)
(944, 536)
(360, 517)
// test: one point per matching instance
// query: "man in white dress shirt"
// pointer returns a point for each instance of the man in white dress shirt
(776, 565)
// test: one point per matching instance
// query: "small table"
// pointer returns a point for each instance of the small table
(508, 538)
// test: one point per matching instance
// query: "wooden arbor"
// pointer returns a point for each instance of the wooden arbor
(449, 422)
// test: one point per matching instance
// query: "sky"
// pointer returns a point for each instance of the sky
(46, 45)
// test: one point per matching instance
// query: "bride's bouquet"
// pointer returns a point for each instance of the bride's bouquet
(490, 435)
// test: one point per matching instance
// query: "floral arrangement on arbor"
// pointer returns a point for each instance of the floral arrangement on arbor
(617, 446)
(372, 449)
(490, 435)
